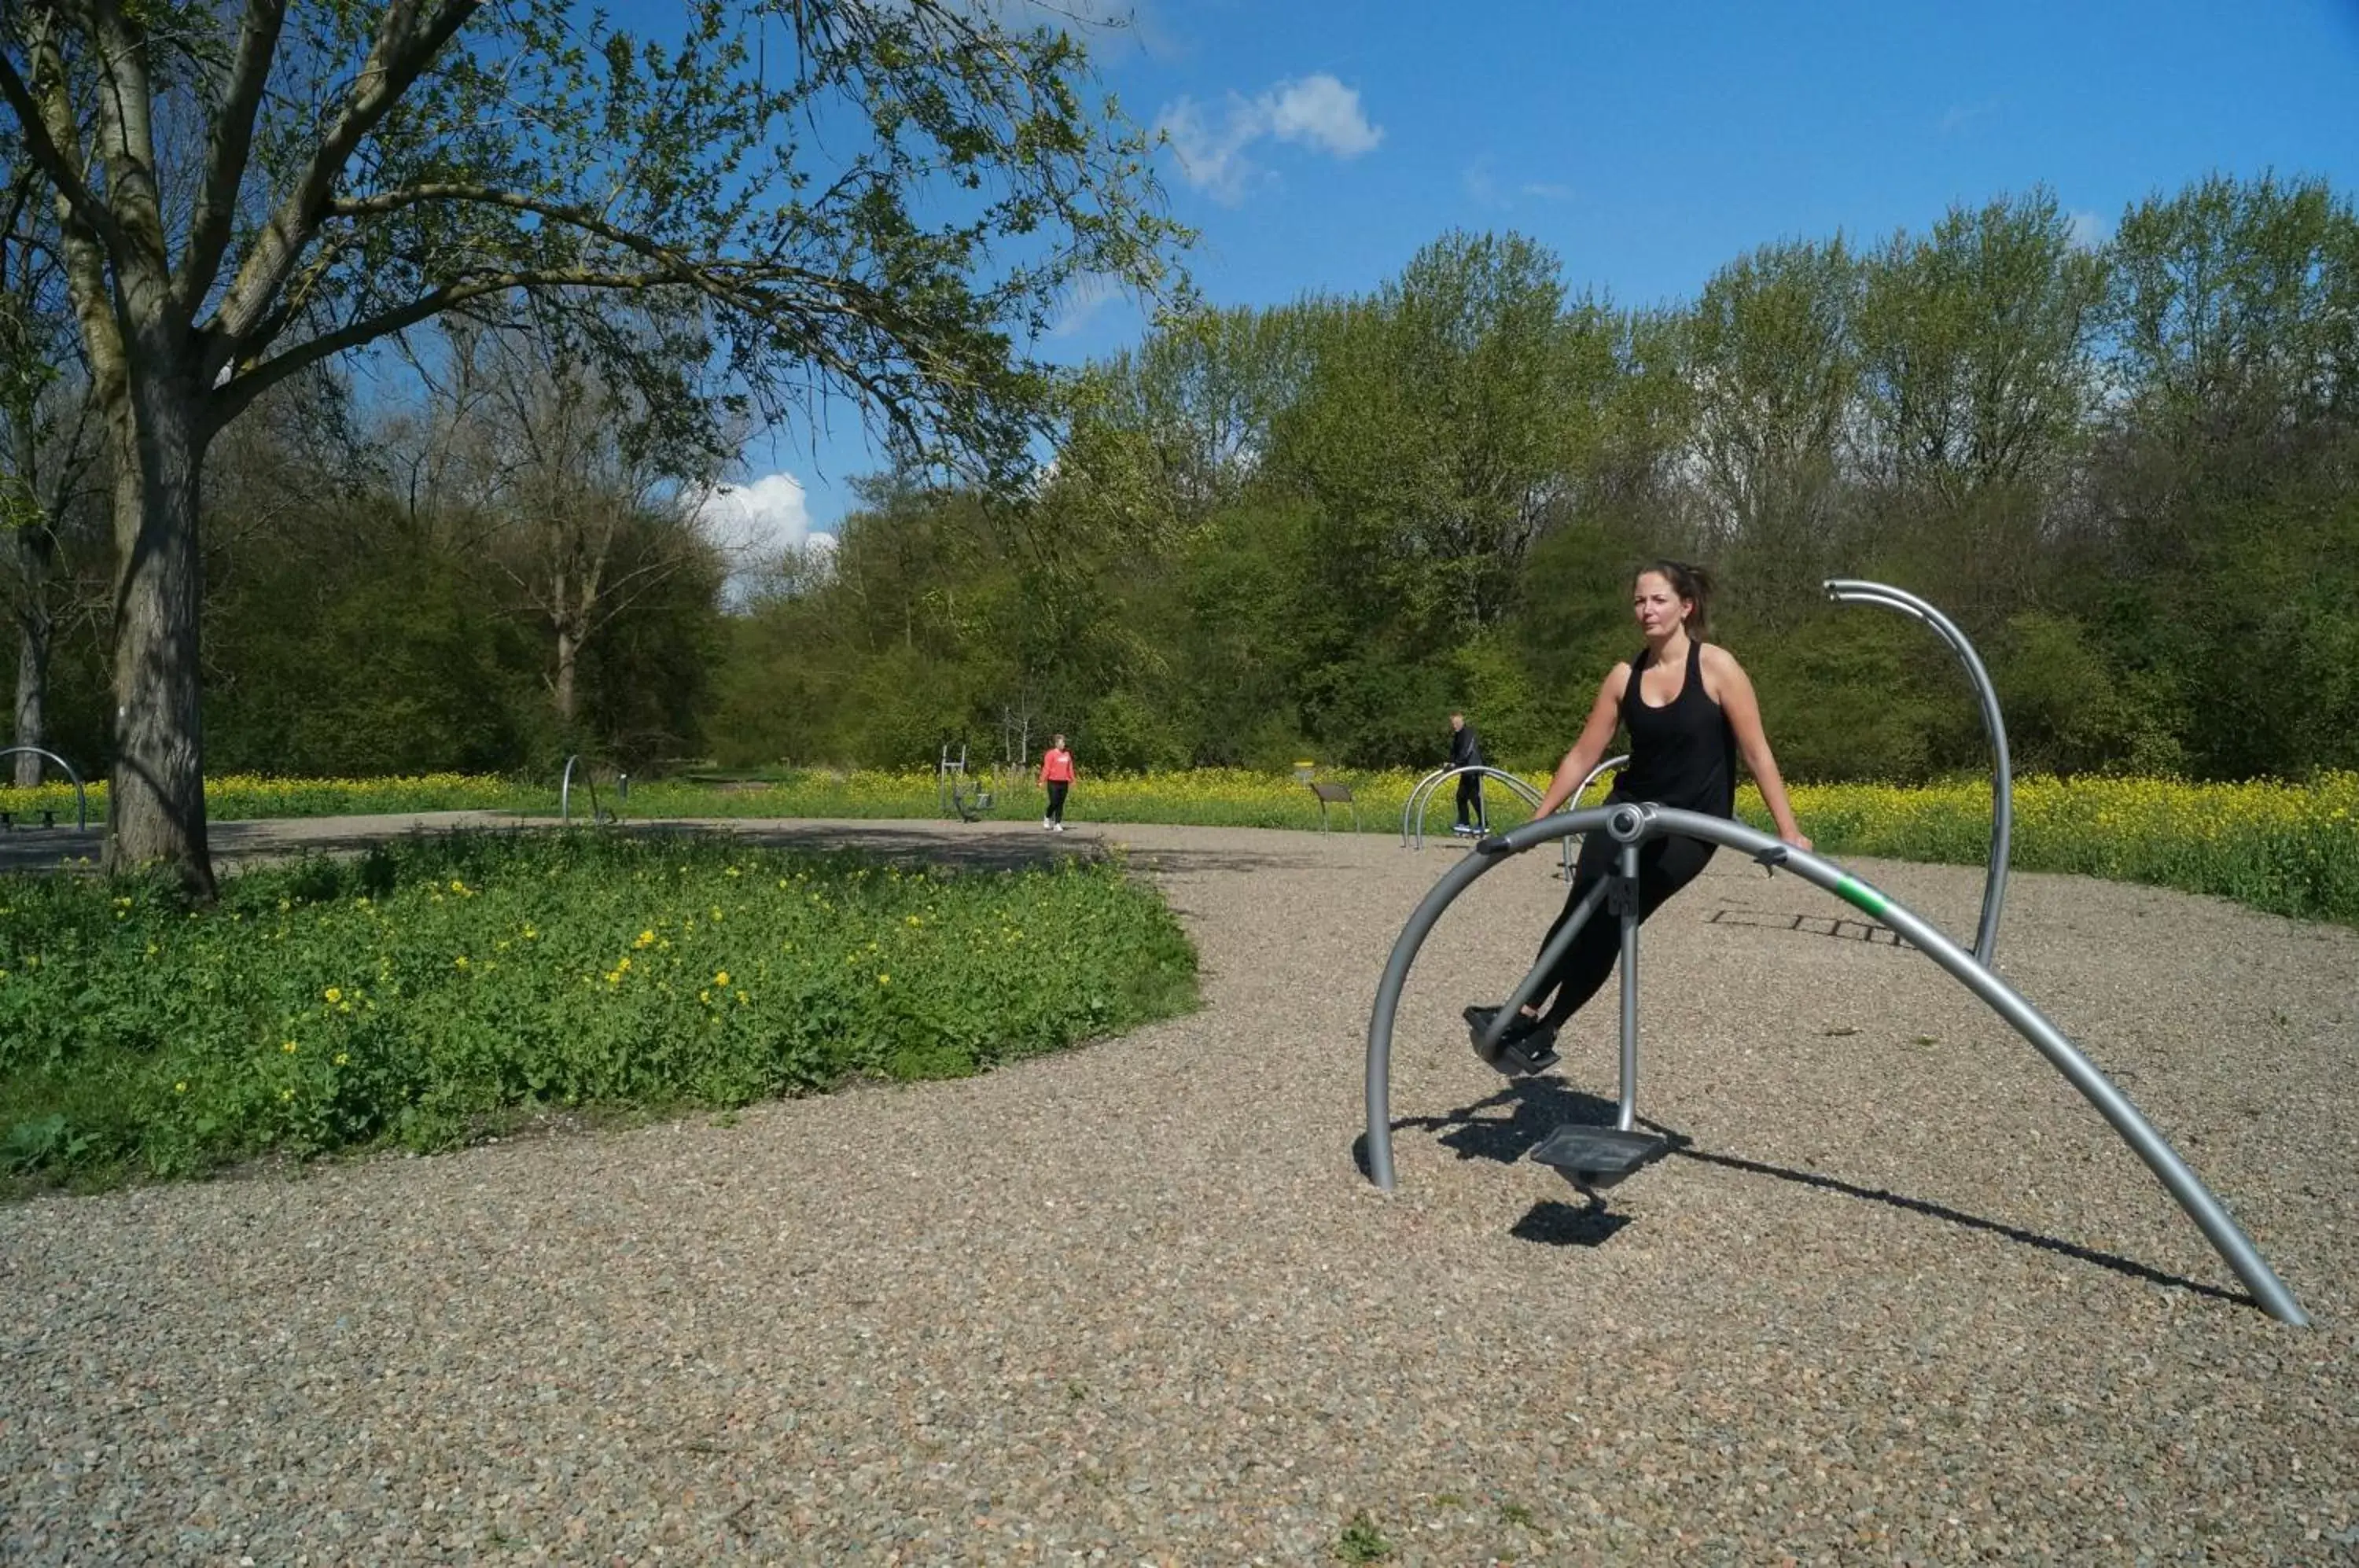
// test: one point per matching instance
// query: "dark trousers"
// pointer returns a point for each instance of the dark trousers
(1470, 797)
(1057, 788)
(1665, 866)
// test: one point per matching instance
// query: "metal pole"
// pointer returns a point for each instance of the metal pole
(565, 792)
(1627, 1116)
(1550, 955)
(1455, 881)
(1857, 591)
(1409, 805)
(2196, 1200)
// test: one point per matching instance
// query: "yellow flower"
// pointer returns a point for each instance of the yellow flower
(342, 1058)
(335, 993)
(743, 1000)
(460, 963)
(181, 1087)
(721, 978)
(884, 979)
(647, 939)
(285, 1094)
(289, 1047)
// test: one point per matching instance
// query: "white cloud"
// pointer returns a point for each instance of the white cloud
(761, 529)
(1547, 190)
(755, 522)
(1323, 111)
(2090, 230)
(1317, 111)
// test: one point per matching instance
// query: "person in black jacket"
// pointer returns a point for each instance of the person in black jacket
(1466, 751)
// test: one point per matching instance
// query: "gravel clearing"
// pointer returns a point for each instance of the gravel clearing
(1905, 1298)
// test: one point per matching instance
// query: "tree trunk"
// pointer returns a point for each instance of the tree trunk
(569, 655)
(33, 627)
(156, 810)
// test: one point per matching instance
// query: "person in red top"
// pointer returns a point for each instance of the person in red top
(1056, 773)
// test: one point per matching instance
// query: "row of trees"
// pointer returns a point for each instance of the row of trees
(2126, 469)
(752, 208)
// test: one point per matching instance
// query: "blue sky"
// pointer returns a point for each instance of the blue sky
(1648, 145)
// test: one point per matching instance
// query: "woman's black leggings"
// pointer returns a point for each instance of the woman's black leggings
(1056, 789)
(1666, 864)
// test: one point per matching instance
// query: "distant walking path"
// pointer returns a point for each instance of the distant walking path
(1904, 1296)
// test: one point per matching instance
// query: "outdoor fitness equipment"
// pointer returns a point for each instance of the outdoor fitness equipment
(956, 792)
(81, 796)
(1594, 1158)
(1854, 591)
(1421, 799)
(565, 793)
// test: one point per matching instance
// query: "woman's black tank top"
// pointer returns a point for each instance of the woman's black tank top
(1682, 754)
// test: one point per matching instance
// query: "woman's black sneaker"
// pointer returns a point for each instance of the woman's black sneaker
(1528, 1046)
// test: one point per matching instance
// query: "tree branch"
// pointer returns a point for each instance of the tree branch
(235, 394)
(225, 157)
(404, 47)
(63, 174)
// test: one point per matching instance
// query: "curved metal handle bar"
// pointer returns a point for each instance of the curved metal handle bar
(82, 796)
(1643, 822)
(1857, 591)
(1525, 792)
(565, 792)
(1416, 794)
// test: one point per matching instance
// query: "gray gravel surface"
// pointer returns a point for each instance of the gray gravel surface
(1903, 1299)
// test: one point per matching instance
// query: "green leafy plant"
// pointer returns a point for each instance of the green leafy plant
(436, 988)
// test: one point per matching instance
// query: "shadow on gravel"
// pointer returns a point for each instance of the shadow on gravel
(2114, 1261)
(1536, 1108)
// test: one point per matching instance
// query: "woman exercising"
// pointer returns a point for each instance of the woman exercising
(1691, 711)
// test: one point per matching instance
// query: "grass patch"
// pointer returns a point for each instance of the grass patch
(1362, 1541)
(440, 987)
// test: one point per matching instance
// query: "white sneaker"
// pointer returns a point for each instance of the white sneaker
(1059, 828)
(1045, 822)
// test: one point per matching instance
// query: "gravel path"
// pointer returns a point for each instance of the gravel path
(1905, 1298)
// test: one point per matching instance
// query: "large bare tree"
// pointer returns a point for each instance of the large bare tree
(874, 197)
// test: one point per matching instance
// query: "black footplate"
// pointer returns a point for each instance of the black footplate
(1594, 1157)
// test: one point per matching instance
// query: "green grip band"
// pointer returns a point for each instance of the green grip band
(1853, 890)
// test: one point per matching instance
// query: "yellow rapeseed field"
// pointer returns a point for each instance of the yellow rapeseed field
(2292, 848)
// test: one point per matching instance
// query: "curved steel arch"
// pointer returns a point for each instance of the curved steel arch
(565, 793)
(81, 796)
(1857, 591)
(1421, 798)
(1632, 825)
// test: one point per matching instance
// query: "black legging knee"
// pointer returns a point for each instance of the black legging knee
(1666, 864)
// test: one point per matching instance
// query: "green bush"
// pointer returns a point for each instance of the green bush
(436, 988)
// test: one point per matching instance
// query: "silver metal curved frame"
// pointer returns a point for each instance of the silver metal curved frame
(1421, 799)
(1632, 825)
(1857, 591)
(565, 792)
(82, 796)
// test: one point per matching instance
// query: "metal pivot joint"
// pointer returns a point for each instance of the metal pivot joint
(1641, 824)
